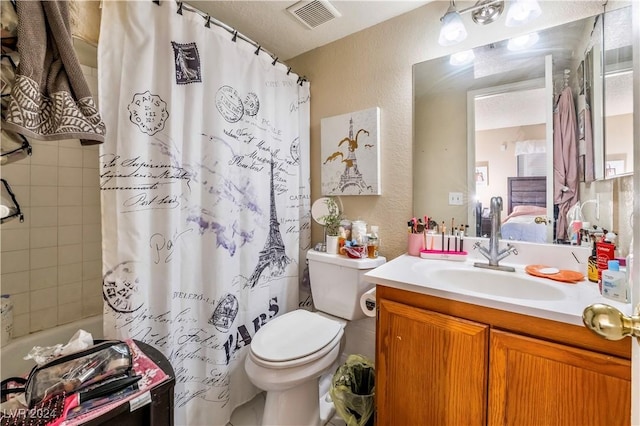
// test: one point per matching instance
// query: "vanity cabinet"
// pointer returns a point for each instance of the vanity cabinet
(444, 362)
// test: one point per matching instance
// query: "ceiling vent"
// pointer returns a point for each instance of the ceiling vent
(313, 13)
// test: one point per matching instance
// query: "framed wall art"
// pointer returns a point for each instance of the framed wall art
(350, 153)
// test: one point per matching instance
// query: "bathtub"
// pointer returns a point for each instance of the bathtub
(12, 354)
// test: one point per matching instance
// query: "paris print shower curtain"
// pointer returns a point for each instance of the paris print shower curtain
(205, 196)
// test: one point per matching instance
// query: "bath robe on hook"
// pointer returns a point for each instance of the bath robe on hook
(565, 160)
(50, 99)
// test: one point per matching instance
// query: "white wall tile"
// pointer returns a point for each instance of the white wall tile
(69, 293)
(69, 176)
(14, 239)
(92, 306)
(91, 196)
(69, 215)
(90, 178)
(15, 261)
(43, 278)
(92, 251)
(92, 215)
(43, 216)
(17, 174)
(92, 269)
(92, 233)
(20, 303)
(71, 234)
(44, 175)
(20, 325)
(43, 257)
(44, 196)
(69, 312)
(71, 154)
(45, 298)
(90, 157)
(91, 288)
(70, 254)
(70, 273)
(15, 282)
(44, 236)
(70, 196)
(45, 154)
(42, 319)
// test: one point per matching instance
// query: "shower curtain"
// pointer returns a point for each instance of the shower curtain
(205, 196)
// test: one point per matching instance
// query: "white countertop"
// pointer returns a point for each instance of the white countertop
(412, 274)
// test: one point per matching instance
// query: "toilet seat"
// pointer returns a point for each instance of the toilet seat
(296, 338)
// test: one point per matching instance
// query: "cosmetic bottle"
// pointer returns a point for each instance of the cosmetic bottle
(373, 243)
(614, 283)
(592, 265)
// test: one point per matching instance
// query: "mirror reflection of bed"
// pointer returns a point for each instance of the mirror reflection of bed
(525, 218)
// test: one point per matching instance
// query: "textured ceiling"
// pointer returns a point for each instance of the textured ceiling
(269, 24)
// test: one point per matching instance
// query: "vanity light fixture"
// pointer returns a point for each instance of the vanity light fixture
(452, 30)
(522, 12)
(523, 42)
(462, 58)
(484, 12)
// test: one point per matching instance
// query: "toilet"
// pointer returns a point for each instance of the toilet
(290, 353)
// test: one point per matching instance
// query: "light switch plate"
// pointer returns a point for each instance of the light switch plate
(455, 198)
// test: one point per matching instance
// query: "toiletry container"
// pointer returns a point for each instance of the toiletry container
(289, 354)
(614, 283)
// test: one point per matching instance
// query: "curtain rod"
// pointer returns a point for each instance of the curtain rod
(236, 35)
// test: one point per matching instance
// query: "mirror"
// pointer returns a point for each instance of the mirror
(618, 93)
(488, 151)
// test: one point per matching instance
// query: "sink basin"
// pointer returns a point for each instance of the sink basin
(495, 283)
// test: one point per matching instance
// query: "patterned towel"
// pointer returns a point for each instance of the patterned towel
(50, 99)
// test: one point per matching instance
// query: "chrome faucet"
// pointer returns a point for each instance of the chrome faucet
(493, 253)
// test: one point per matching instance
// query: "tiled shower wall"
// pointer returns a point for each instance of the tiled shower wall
(51, 264)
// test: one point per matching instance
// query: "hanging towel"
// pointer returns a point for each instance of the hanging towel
(565, 160)
(50, 99)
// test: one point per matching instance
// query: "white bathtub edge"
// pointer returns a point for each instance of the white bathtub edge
(11, 354)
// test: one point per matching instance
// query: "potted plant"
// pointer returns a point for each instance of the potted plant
(332, 225)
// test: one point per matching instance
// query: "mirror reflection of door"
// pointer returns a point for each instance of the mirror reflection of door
(511, 146)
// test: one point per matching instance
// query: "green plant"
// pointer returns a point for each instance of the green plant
(333, 217)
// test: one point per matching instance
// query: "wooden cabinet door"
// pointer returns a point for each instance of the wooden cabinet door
(431, 368)
(534, 382)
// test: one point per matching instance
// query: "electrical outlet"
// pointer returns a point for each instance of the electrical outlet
(455, 198)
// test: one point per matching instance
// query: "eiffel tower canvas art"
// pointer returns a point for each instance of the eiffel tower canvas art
(273, 254)
(350, 153)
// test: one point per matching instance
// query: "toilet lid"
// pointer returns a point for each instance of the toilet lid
(294, 335)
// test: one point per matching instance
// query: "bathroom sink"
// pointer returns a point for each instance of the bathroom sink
(496, 283)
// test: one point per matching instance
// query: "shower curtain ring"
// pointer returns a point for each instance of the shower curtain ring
(235, 36)
(274, 61)
(258, 50)
(208, 24)
(289, 70)
(179, 8)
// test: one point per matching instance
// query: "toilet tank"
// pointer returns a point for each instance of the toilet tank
(337, 283)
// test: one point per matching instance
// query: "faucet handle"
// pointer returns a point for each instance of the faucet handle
(512, 249)
(477, 244)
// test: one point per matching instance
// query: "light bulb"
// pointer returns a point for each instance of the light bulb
(462, 58)
(522, 12)
(453, 30)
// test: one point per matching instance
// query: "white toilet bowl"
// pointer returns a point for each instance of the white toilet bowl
(290, 353)
(288, 357)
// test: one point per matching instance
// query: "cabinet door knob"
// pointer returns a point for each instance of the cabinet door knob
(608, 322)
